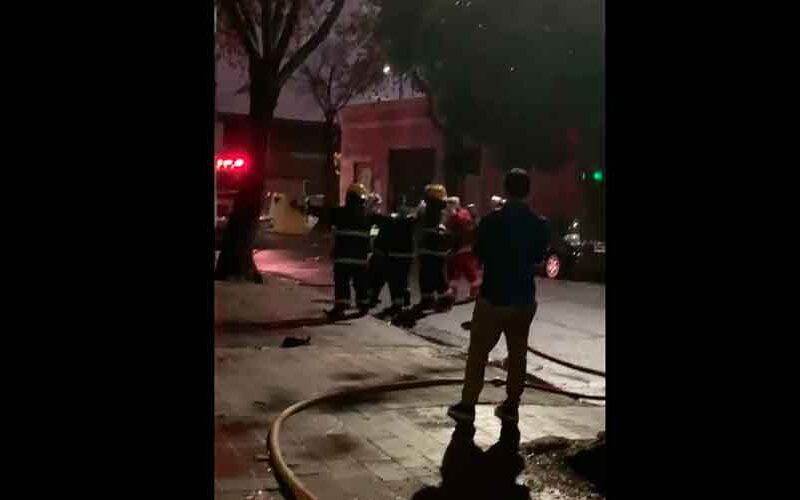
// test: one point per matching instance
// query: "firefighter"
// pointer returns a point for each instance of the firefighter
(462, 262)
(378, 260)
(350, 225)
(433, 249)
(393, 255)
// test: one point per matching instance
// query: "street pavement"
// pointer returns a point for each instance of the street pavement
(387, 446)
(569, 324)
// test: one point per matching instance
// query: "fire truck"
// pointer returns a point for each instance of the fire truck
(280, 211)
(230, 169)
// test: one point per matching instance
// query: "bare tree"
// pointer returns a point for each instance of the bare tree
(272, 40)
(348, 64)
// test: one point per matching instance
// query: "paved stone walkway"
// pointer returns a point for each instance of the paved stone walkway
(387, 446)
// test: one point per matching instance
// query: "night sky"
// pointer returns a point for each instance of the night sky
(295, 103)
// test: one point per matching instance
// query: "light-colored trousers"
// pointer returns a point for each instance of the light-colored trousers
(488, 322)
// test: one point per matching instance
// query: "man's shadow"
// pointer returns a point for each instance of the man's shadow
(471, 473)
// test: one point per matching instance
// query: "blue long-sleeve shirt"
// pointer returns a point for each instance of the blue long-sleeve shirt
(510, 243)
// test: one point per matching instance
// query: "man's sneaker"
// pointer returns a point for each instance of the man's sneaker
(462, 412)
(507, 412)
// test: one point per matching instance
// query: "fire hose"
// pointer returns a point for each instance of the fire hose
(290, 479)
(544, 355)
(301, 491)
(566, 363)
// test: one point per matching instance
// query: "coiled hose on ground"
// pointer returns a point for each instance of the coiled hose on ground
(288, 477)
(301, 491)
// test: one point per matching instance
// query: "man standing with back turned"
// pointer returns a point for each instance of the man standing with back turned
(510, 242)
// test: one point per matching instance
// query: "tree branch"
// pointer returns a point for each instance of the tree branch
(351, 88)
(313, 82)
(266, 28)
(244, 89)
(276, 23)
(365, 73)
(344, 99)
(287, 32)
(330, 82)
(238, 14)
(312, 43)
(426, 89)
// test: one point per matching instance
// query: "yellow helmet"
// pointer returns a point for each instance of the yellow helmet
(358, 189)
(435, 192)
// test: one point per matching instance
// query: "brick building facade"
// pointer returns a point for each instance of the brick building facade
(394, 147)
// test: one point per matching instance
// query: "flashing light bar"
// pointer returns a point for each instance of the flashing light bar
(233, 163)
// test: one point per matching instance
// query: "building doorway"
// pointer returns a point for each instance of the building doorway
(409, 171)
(363, 173)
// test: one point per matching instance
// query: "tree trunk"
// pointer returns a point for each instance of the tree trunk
(236, 255)
(330, 178)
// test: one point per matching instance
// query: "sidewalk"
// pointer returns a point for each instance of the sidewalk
(570, 322)
(388, 446)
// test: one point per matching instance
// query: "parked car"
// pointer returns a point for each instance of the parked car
(573, 255)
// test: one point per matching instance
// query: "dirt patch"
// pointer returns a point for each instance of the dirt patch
(565, 469)
(331, 445)
(276, 399)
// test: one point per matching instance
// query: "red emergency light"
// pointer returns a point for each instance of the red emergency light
(230, 163)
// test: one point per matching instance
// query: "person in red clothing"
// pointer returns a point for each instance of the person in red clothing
(462, 262)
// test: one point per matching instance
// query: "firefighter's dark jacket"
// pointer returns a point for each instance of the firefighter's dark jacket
(434, 238)
(395, 236)
(351, 232)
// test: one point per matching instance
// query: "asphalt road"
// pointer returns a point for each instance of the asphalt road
(569, 324)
